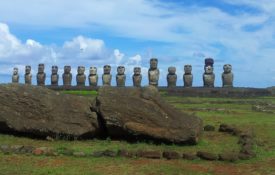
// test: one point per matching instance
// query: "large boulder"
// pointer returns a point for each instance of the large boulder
(38, 111)
(141, 113)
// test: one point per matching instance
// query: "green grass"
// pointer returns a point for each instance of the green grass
(237, 111)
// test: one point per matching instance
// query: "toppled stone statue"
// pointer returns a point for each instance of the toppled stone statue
(54, 76)
(137, 77)
(15, 75)
(41, 75)
(28, 75)
(141, 113)
(153, 72)
(120, 77)
(107, 77)
(188, 77)
(93, 77)
(80, 77)
(208, 76)
(67, 76)
(172, 77)
(227, 76)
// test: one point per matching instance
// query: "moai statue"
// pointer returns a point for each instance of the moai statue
(107, 77)
(137, 77)
(80, 77)
(227, 76)
(54, 76)
(28, 75)
(93, 77)
(15, 75)
(153, 72)
(208, 76)
(67, 76)
(209, 62)
(171, 77)
(120, 77)
(188, 77)
(41, 75)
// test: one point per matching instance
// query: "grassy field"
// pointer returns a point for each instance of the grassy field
(214, 111)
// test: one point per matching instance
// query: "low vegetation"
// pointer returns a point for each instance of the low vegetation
(214, 111)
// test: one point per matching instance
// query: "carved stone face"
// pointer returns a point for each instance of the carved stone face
(54, 69)
(153, 63)
(15, 71)
(67, 69)
(227, 68)
(120, 70)
(107, 69)
(208, 69)
(28, 69)
(93, 70)
(80, 70)
(137, 70)
(41, 68)
(188, 69)
(172, 70)
(209, 61)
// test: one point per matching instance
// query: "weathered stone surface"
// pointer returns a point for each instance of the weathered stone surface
(126, 153)
(37, 111)
(207, 156)
(228, 156)
(189, 156)
(15, 75)
(209, 128)
(149, 154)
(141, 113)
(171, 155)
(137, 77)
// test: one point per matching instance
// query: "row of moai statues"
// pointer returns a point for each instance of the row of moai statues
(153, 75)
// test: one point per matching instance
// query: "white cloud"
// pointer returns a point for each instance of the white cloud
(118, 56)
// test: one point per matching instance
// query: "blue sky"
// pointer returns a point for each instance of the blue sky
(130, 32)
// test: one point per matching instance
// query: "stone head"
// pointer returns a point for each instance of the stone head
(209, 61)
(188, 69)
(208, 69)
(93, 70)
(120, 70)
(172, 70)
(137, 70)
(54, 69)
(67, 69)
(80, 70)
(107, 69)
(15, 71)
(227, 68)
(41, 68)
(153, 63)
(28, 69)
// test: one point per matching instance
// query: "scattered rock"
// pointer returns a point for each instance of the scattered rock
(140, 113)
(149, 154)
(109, 153)
(79, 154)
(207, 156)
(230, 156)
(5, 149)
(49, 138)
(229, 129)
(27, 149)
(189, 156)
(98, 154)
(209, 128)
(16, 148)
(171, 155)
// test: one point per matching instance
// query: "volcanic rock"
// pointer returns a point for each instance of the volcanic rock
(141, 113)
(38, 111)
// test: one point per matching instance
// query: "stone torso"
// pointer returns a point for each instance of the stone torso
(54, 79)
(41, 77)
(28, 78)
(67, 79)
(208, 80)
(188, 80)
(137, 80)
(106, 79)
(80, 79)
(153, 76)
(120, 80)
(93, 79)
(227, 79)
(15, 78)
(171, 80)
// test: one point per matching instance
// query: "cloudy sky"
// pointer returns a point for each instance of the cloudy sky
(130, 32)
